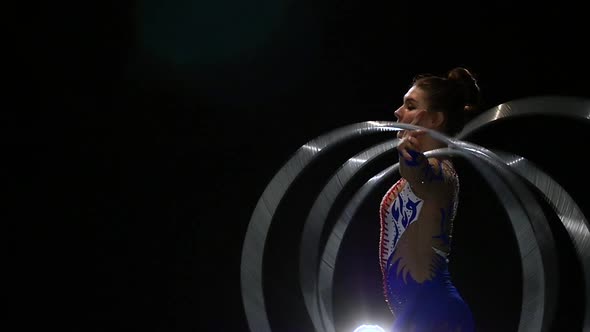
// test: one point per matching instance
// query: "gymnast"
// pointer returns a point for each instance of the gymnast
(417, 212)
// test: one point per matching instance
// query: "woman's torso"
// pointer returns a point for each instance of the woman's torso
(415, 244)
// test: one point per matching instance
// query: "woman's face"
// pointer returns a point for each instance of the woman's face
(413, 108)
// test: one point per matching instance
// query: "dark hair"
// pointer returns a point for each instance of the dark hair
(457, 95)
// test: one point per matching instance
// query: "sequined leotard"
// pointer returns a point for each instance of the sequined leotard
(416, 226)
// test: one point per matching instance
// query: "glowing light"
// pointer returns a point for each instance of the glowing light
(498, 112)
(377, 123)
(369, 328)
(357, 160)
(515, 161)
(312, 148)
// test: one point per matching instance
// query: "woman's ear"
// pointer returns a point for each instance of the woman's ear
(437, 119)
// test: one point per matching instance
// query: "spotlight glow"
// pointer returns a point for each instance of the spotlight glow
(369, 328)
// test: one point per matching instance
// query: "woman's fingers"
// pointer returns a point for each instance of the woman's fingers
(417, 133)
(403, 149)
(405, 144)
(414, 142)
(406, 155)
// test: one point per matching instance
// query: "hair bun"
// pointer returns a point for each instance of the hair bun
(461, 75)
(468, 85)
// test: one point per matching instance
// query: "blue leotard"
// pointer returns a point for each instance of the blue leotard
(417, 286)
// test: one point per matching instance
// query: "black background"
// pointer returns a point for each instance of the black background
(149, 131)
